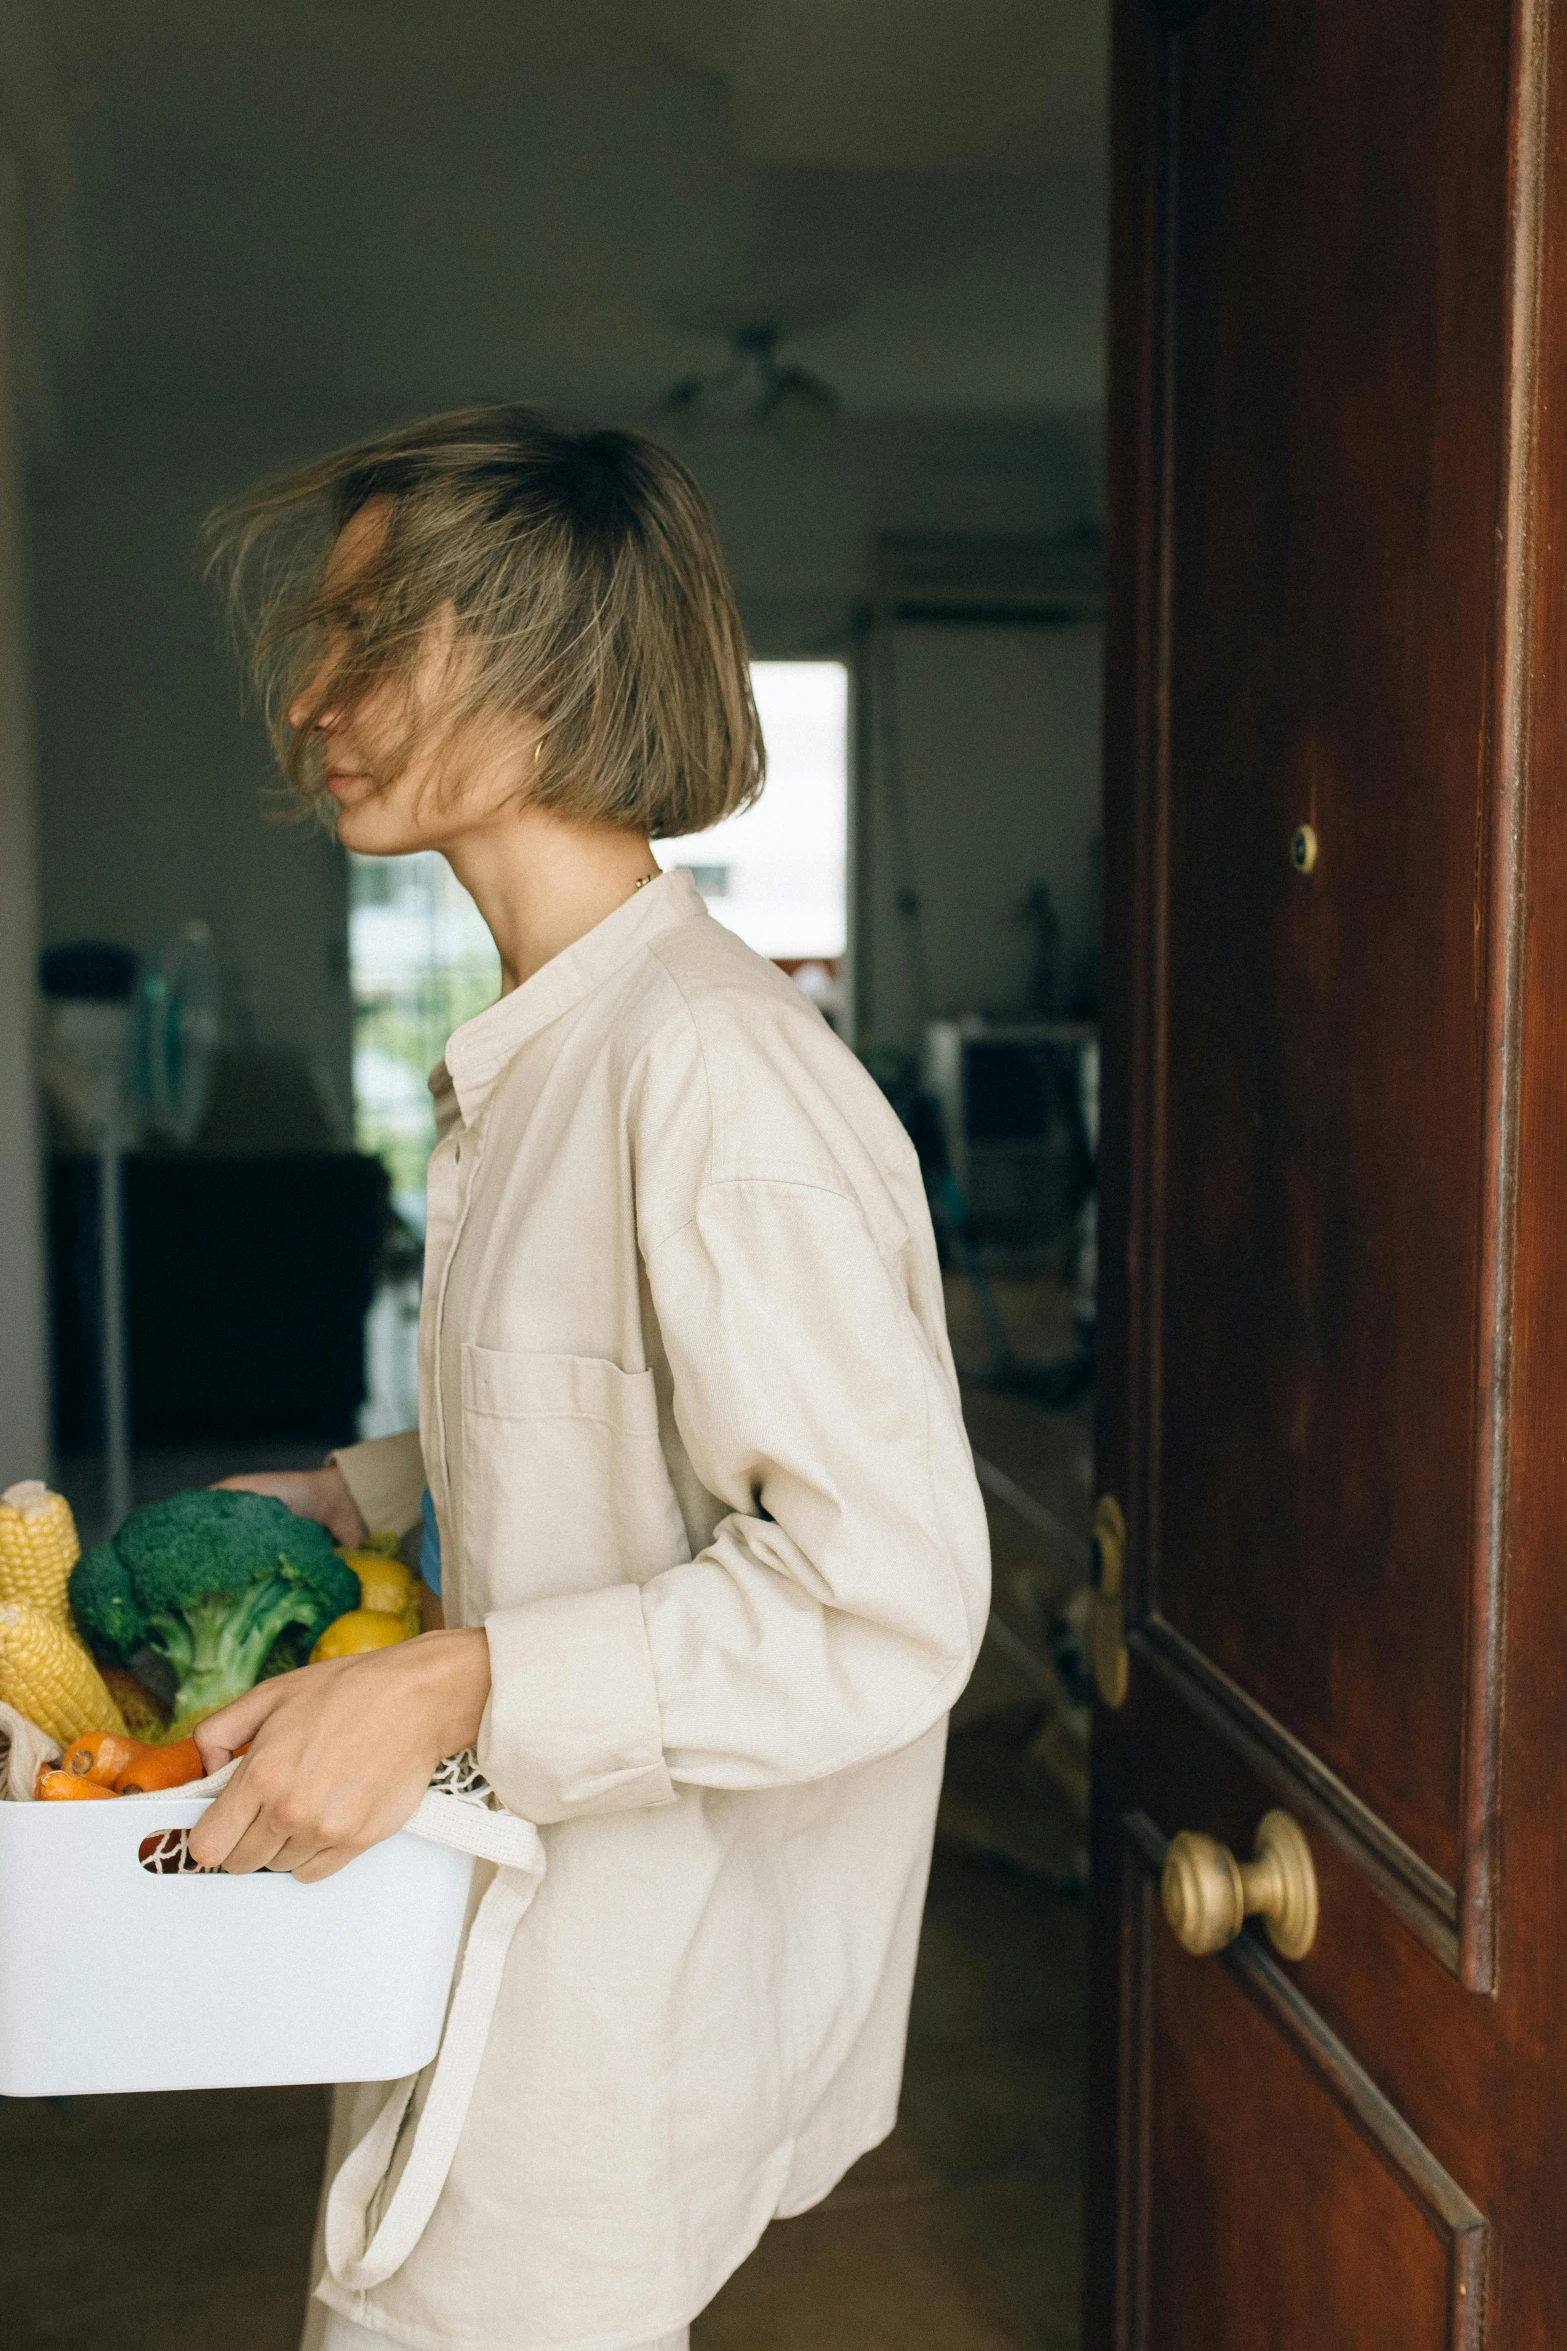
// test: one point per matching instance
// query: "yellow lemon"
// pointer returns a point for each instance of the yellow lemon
(383, 1583)
(361, 1629)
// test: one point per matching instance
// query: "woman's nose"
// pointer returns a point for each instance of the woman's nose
(300, 708)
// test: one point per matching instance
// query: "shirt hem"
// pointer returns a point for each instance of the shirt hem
(362, 2311)
(798, 2200)
(360, 2308)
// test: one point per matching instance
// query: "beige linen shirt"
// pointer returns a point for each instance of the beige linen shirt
(689, 1419)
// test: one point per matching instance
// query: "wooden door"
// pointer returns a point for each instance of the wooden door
(1334, 1305)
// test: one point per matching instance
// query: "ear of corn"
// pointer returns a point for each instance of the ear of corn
(46, 1674)
(38, 1547)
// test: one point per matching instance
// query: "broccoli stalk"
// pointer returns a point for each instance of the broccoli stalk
(217, 1644)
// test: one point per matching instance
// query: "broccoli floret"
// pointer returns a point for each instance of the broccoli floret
(209, 1581)
(104, 1604)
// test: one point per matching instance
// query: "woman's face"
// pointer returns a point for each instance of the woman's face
(437, 795)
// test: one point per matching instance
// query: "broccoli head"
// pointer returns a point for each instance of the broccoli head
(210, 1580)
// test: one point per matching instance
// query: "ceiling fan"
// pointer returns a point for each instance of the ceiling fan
(755, 387)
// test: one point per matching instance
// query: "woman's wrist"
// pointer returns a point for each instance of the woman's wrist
(449, 1683)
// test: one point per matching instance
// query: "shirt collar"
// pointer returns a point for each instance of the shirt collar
(478, 1051)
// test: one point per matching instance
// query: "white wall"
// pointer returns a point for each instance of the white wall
(156, 800)
(799, 523)
(24, 1421)
(989, 737)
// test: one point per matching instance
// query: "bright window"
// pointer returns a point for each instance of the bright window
(776, 874)
(422, 961)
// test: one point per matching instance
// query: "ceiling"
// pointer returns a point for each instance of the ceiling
(380, 205)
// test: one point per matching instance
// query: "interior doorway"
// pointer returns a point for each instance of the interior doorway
(849, 262)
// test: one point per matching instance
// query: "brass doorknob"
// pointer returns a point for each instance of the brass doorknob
(1209, 1895)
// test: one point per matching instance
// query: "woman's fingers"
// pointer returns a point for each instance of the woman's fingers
(229, 1817)
(223, 1734)
(325, 1864)
(259, 1848)
(243, 1831)
(321, 1494)
(307, 1852)
(296, 1854)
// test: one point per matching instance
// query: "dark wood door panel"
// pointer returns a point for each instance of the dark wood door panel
(1322, 1160)
(1275, 2198)
(1333, 1170)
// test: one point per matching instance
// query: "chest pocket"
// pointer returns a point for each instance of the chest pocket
(564, 1483)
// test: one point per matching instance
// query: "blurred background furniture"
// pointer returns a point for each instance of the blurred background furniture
(1018, 1100)
(248, 1277)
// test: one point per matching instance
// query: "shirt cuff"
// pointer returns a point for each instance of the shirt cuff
(572, 1724)
(385, 1476)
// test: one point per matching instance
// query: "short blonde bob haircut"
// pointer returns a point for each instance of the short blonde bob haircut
(588, 588)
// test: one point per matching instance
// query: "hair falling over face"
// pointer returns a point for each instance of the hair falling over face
(580, 578)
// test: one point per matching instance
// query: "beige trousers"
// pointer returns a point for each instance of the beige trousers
(343, 2335)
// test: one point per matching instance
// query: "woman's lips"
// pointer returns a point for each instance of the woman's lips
(341, 780)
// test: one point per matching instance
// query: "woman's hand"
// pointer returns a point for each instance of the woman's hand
(321, 1494)
(340, 1753)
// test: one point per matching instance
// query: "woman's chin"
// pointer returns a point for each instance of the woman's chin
(372, 829)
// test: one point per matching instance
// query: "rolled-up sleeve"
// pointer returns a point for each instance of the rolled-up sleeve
(836, 1612)
(572, 1723)
(385, 1476)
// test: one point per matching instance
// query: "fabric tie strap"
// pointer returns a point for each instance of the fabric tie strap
(457, 1811)
(355, 2258)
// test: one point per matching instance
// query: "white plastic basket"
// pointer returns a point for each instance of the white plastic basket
(115, 1976)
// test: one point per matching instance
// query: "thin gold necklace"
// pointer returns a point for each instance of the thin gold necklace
(655, 876)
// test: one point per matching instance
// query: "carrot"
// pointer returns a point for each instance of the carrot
(101, 1756)
(162, 1767)
(56, 1787)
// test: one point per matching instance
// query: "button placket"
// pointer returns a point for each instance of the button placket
(462, 1172)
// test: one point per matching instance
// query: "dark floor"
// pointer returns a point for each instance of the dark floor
(961, 2232)
(182, 2222)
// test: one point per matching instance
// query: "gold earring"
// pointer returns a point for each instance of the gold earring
(538, 745)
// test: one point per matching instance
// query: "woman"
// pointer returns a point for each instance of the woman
(713, 1558)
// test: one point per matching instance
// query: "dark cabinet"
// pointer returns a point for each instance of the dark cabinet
(247, 1282)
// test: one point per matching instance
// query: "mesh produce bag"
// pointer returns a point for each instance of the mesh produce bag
(24, 1748)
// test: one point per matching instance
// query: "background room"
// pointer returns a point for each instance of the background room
(847, 256)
